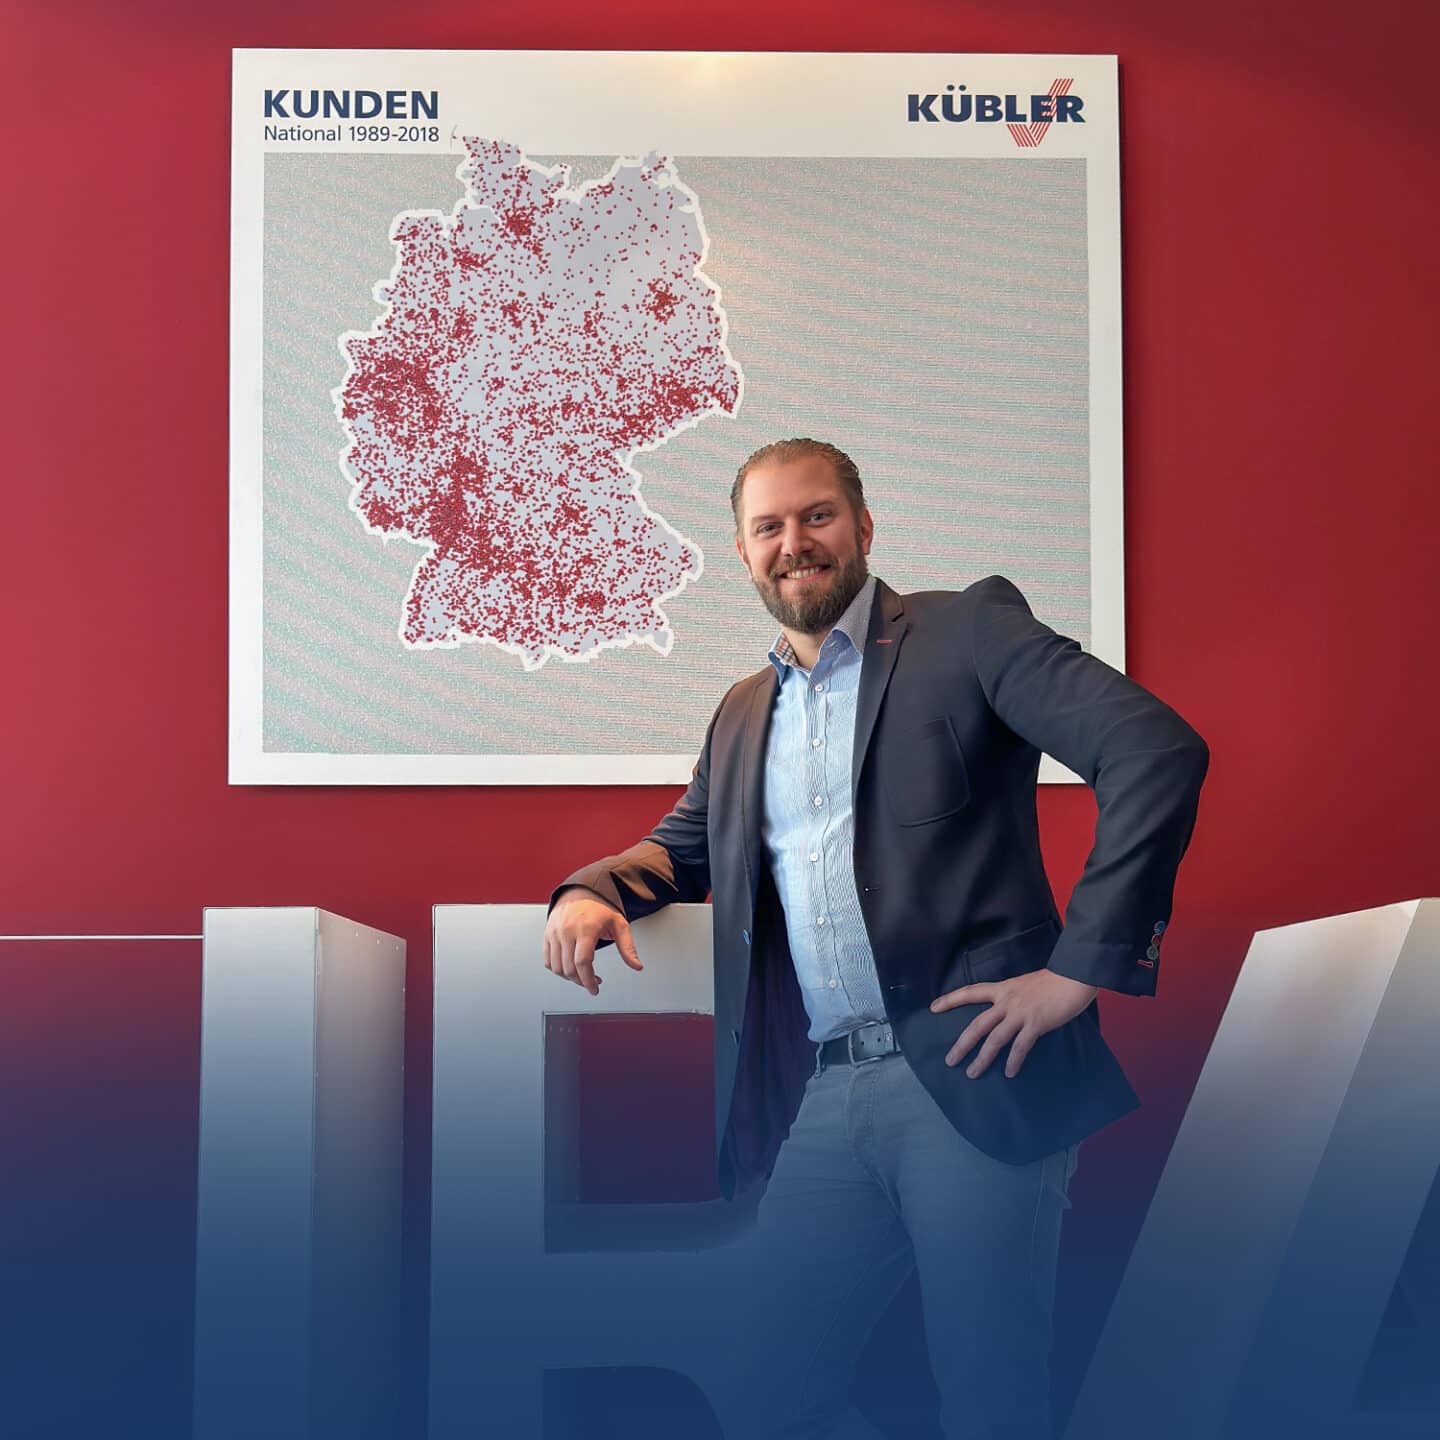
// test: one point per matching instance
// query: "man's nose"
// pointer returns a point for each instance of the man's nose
(794, 541)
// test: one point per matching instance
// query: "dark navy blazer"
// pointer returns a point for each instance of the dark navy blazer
(960, 692)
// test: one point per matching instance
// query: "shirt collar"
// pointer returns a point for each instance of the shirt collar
(851, 626)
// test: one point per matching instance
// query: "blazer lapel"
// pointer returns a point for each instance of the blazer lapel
(882, 645)
(752, 771)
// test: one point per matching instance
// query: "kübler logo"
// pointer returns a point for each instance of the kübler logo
(1027, 117)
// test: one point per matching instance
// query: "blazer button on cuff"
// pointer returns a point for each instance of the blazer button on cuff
(745, 936)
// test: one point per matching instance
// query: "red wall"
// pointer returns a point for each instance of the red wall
(1283, 515)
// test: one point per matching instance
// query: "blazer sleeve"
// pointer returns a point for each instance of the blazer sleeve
(1145, 764)
(671, 863)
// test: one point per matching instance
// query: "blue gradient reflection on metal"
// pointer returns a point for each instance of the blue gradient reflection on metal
(1289, 1205)
(298, 1226)
(506, 1302)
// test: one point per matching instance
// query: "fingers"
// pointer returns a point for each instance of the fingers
(1020, 1047)
(999, 1029)
(571, 933)
(965, 995)
(979, 1027)
(1020, 1012)
(624, 942)
(998, 1039)
(554, 950)
(570, 940)
(580, 962)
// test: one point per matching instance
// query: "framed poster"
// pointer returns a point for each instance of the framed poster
(505, 324)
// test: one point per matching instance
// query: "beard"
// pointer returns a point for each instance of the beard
(815, 614)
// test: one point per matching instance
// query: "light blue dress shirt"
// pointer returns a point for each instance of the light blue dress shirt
(809, 825)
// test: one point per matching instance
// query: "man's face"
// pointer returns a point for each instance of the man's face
(802, 543)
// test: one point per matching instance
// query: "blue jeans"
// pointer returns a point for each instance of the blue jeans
(872, 1181)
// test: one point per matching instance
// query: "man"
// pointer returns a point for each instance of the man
(893, 989)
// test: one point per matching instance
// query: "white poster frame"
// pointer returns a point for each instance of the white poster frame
(791, 104)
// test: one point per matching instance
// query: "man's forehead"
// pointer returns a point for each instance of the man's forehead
(789, 484)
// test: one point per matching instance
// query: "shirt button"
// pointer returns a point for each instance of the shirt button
(816, 743)
(820, 920)
(814, 856)
(820, 689)
(819, 800)
(834, 984)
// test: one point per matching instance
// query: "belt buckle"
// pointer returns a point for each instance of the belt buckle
(864, 1059)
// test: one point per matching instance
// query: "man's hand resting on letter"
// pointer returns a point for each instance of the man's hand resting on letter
(579, 919)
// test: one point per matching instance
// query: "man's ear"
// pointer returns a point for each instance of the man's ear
(867, 530)
(740, 551)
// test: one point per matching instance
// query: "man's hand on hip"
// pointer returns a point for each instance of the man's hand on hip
(1022, 1009)
(580, 919)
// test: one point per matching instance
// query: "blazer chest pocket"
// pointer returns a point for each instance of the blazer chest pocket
(924, 774)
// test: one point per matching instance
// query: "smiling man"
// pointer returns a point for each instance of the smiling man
(804, 539)
(907, 1042)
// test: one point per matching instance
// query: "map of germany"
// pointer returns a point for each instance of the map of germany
(532, 342)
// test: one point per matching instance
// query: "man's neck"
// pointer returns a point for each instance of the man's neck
(806, 647)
